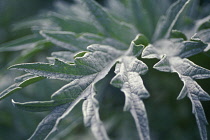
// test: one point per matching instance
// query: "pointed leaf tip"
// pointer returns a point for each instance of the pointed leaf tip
(150, 52)
(163, 65)
(141, 39)
(128, 79)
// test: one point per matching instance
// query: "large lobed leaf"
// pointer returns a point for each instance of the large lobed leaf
(128, 80)
(92, 64)
(88, 69)
(173, 55)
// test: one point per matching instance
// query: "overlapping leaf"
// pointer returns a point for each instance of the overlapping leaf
(166, 23)
(204, 35)
(47, 124)
(87, 70)
(67, 23)
(91, 117)
(26, 42)
(128, 80)
(78, 42)
(84, 67)
(142, 18)
(20, 82)
(174, 48)
(112, 27)
(173, 54)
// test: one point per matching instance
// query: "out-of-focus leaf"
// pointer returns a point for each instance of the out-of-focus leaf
(20, 82)
(166, 23)
(113, 28)
(79, 42)
(46, 125)
(178, 34)
(26, 42)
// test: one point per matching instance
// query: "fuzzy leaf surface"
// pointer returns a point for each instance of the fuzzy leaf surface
(91, 117)
(46, 125)
(173, 55)
(128, 79)
(197, 94)
(173, 48)
(58, 70)
(99, 60)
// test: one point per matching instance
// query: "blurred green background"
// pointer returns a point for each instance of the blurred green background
(169, 119)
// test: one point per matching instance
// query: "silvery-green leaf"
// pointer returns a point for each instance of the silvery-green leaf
(46, 125)
(67, 23)
(68, 125)
(20, 82)
(58, 70)
(166, 23)
(186, 67)
(204, 35)
(150, 52)
(139, 114)
(163, 65)
(183, 92)
(68, 40)
(195, 94)
(91, 117)
(174, 48)
(119, 10)
(137, 45)
(36, 106)
(128, 79)
(11, 89)
(74, 10)
(100, 59)
(199, 115)
(65, 56)
(112, 27)
(190, 48)
(173, 54)
(154, 11)
(21, 43)
(82, 88)
(192, 87)
(30, 52)
(71, 91)
(197, 24)
(141, 17)
(38, 23)
(79, 42)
